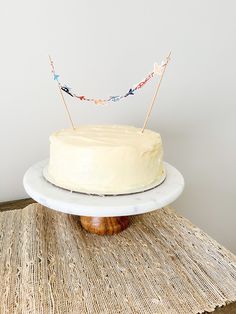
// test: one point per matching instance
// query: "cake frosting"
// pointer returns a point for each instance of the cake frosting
(105, 159)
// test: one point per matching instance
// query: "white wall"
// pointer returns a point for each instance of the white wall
(103, 47)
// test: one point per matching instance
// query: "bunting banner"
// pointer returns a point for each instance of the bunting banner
(157, 70)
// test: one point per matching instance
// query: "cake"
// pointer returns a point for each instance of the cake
(105, 159)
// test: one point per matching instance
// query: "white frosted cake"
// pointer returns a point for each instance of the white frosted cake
(105, 159)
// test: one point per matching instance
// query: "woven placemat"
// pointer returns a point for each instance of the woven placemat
(160, 264)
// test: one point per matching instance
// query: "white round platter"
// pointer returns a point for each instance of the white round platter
(80, 204)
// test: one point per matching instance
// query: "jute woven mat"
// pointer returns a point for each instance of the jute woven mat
(160, 264)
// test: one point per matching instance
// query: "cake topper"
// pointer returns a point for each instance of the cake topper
(56, 78)
(158, 70)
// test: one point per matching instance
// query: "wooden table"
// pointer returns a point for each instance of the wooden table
(230, 308)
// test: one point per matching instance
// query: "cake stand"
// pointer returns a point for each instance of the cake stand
(102, 214)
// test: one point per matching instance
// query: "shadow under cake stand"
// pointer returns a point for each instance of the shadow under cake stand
(102, 214)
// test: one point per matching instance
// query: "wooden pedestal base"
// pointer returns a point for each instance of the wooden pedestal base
(104, 225)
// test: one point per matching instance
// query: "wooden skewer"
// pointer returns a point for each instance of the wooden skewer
(155, 94)
(62, 96)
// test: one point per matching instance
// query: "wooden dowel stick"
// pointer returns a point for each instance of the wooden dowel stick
(62, 96)
(155, 94)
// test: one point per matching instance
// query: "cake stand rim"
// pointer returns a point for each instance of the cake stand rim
(102, 206)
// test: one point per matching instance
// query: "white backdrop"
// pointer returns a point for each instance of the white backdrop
(103, 47)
